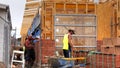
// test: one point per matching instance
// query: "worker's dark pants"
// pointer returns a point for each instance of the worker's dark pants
(30, 54)
(67, 52)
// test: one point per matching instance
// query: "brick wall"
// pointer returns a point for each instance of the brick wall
(48, 49)
(99, 43)
(44, 48)
(117, 61)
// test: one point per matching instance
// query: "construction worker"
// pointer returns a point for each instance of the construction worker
(29, 53)
(67, 43)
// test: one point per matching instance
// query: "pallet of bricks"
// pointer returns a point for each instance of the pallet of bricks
(109, 57)
(112, 46)
(96, 59)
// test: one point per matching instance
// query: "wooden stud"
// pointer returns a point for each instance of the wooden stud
(76, 8)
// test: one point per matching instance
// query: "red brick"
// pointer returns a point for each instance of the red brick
(117, 50)
(107, 41)
(108, 49)
(48, 49)
(117, 64)
(116, 41)
(99, 43)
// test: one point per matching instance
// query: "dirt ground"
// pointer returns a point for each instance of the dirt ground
(2, 65)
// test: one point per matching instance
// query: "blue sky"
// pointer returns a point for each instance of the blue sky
(17, 10)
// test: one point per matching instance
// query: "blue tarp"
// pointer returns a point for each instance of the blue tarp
(65, 63)
(35, 24)
(29, 32)
(37, 32)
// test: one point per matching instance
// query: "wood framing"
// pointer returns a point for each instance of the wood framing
(49, 9)
(105, 11)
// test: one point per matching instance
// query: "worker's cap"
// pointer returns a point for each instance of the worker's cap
(70, 30)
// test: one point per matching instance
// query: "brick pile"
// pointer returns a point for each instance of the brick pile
(111, 46)
(101, 60)
(117, 61)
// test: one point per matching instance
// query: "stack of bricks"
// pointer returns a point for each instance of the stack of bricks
(48, 49)
(117, 60)
(102, 61)
(107, 61)
(111, 46)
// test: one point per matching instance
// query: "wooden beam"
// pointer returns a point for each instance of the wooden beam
(77, 58)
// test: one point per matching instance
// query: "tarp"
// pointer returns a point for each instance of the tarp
(36, 33)
(35, 24)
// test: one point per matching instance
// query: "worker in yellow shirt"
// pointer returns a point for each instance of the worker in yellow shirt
(67, 43)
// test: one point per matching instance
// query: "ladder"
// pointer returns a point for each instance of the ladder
(18, 61)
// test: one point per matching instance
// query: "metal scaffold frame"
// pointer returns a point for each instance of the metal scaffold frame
(76, 25)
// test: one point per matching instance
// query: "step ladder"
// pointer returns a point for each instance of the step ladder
(18, 61)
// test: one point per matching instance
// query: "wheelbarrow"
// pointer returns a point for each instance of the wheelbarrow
(63, 62)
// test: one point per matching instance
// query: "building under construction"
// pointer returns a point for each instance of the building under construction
(96, 24)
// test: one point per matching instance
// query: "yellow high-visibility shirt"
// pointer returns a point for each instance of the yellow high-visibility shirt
(65, 42)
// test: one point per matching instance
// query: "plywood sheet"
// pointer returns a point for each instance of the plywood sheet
(32, 4)
(104, 16)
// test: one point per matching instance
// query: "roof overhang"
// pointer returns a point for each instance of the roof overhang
(7, 9)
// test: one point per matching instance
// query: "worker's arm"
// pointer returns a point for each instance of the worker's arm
(28, 44)
(71, 44)
(70, 40)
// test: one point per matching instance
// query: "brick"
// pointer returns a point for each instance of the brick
(108, 49)
(117, 64)
(107, 41)
(117, 50)
(117, 59)
(116, 41)
(99, 43)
